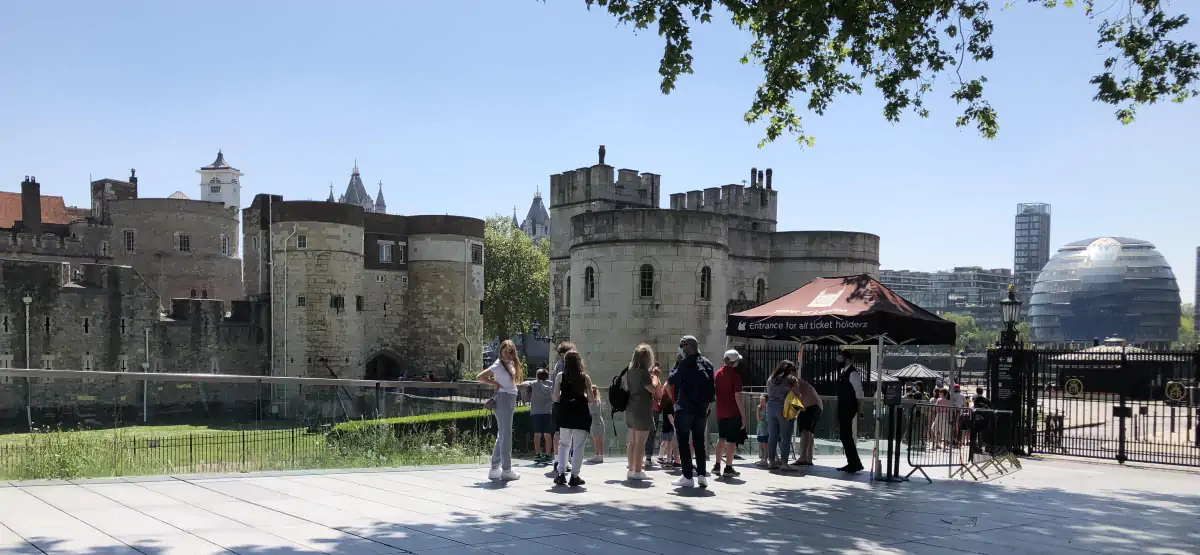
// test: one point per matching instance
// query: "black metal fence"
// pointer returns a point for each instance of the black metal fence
(969, 442)
(1115, 403)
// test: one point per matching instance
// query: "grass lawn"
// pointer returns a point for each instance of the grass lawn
(184, 449)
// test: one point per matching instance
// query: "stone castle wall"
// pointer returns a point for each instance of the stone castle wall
(159, 225)
(445, 300)
(616, 245)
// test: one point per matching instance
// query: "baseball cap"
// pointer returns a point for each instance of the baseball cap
(689, 340)
(732, 355)
(957, 387)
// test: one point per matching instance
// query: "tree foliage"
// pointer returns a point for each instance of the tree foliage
(516, 289)
(817, 50)
(968, 335)
(1187, 330)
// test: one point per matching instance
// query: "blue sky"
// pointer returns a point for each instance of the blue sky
(468, 107)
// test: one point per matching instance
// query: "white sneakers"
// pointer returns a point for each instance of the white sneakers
(636, 476)
(506, 475)
(682, 482)
(598, 459)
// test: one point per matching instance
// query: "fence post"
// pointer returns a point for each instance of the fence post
(293, 446)
(191, 449)
(1121, 458)
(243, 448)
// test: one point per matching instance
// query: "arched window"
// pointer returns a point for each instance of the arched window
(567, 293)
(204, 294)
(589, 283)
(760, 291)
(462, 352)
(193, 293)
(646, 281)
(706, 283)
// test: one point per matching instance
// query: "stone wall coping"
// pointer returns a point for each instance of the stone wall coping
(229, 378)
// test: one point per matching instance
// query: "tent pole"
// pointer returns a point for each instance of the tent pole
(875, 460)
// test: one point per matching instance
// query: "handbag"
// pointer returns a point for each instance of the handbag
(792, 407)
(490, 404)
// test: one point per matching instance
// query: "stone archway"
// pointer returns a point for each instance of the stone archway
(384, 365)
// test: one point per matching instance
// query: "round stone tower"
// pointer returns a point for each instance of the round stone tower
(648, 276)
(445, 293)
(317, 289)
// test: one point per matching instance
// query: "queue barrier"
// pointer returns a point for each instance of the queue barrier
(969, 442)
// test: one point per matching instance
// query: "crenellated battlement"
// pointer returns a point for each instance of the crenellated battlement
(48, 244)
(753, 202)
(617, 187)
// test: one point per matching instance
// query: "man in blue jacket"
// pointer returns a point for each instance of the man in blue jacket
(692, 380)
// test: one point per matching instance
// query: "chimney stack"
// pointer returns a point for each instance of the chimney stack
(753, 177)
(133, 176)
(31, 206)
(760, 178)
(768, 178)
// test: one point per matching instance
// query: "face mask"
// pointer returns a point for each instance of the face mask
(681, 353)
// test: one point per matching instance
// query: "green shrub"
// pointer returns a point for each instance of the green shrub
(451, 426)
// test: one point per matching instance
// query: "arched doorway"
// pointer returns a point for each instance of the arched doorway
(383, 366)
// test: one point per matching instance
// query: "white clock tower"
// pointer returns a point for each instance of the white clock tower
(220, 182)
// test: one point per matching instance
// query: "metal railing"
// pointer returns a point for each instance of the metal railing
(969, 442)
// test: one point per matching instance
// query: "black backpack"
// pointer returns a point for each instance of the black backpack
(706, 387)
(618, 396)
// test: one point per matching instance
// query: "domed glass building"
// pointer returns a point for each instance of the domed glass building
(1106, 287)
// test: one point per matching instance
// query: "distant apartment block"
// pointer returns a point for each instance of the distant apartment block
(1031, 246)
(968, 290)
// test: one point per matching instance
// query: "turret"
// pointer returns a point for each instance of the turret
(380, 205)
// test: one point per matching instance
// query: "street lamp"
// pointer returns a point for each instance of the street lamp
(535, 328)
(960, 361)
(1010, 309)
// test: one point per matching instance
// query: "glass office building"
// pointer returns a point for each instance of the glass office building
(1106, 287)
(1031, 245)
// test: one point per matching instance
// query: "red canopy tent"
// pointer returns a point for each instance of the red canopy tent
(843, 310)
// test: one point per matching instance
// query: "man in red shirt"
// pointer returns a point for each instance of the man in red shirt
(730, 424)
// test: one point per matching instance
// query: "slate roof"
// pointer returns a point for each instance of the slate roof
(537, 213)
(220, 163)
(356, 193)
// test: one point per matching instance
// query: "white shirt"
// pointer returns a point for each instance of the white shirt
(856, 383)
(500, 374)
(957, 399)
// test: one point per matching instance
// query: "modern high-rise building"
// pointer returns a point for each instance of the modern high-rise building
(967, 290)
(1031, 246)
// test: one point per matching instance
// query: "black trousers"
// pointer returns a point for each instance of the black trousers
(690, 427)
(849, 442)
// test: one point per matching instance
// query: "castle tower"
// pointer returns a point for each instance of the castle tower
(220, 182)
(380, 205)
(537, 220)
(356, 193)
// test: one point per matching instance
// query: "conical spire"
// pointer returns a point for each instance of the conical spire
(331, 199)
(380, 205)
(514, 220)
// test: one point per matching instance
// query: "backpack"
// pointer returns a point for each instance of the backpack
(618, 396)
(706, 388)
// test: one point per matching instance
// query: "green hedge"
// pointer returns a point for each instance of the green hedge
(452, 425)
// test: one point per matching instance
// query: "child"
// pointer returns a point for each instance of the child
(667, 450)
(762, 432)
(597, 424)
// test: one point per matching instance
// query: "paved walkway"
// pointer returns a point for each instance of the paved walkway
(1051, 506)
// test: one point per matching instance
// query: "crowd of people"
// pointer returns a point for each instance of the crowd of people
(565, 412)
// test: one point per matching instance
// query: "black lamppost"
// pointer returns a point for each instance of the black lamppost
(960, 362)
(1010, 308)
(536, 328)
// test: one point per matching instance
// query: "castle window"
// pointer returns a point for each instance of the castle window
(476, 253)
(360, 303)
(5, 323)
(379, 278)
(254, 241)
(214, 189)
(87, 326)
(213, 366)
(646, 281)
(224, 245)
(400, 252)
(204, 293)
(193, 294)
(130, 241)
(123, 363)
(338, 303)
(385, 253)
(6, 361)
(461, 352)
(706, 283)
(183, 242)
(589, 283)
(47, 325)
(567, 293)
(104, 248)
(88, 362)
(760, 291)
(122, 326)
(301, 301)
(48, 362)
(302, 241)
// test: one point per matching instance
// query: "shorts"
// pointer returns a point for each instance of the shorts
(763, 439)
(807, 420)
(667, 436)
(730, 429)
(542, 423)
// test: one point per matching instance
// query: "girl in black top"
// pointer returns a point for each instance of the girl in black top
(575, 418)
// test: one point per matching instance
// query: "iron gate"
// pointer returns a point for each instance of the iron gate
(1105, 402)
